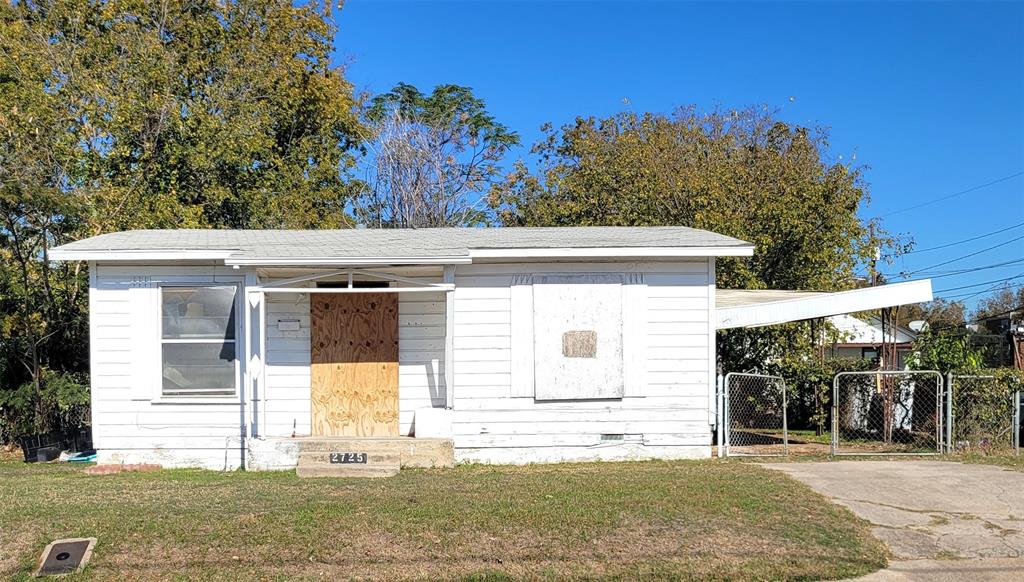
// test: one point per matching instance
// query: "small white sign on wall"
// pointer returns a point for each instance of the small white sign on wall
(287, 325)
(578, 337)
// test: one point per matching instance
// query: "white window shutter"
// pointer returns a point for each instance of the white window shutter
(522, 337)
(145, 307)
(634, 334)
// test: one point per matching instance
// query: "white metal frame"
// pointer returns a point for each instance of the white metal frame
(417, 286)
(238, 342)
(822, 305)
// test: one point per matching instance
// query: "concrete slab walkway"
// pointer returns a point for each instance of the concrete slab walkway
(942, 521)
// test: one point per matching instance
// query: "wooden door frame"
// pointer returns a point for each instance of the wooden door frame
(257, 291)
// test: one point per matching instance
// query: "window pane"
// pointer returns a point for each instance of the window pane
(198, 312)
(199, 369)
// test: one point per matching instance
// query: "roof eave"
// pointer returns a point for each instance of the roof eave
(59, 254)
(612, 252)
(346, 261)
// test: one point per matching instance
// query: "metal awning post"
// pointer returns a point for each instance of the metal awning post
(262, 297)
(256, 340)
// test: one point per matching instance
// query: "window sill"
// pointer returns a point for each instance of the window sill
(233, 399)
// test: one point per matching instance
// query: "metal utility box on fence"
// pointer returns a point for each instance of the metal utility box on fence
(754, 416)
(888, 413)
(985, 416)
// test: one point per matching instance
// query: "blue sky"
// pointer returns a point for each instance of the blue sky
(928, 95)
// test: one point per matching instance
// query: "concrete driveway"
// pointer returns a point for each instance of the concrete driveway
(931, 512)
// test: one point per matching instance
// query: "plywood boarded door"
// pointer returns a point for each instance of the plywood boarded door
(354, 359)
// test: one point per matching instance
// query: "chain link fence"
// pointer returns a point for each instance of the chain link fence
(888, 412)
(755, 415)
(986, 415)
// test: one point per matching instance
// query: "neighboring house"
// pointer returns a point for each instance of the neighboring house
(228, 348)
(862, 339)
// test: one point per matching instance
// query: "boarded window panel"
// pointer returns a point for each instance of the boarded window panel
(569, 305)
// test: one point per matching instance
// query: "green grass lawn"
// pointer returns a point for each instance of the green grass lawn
(642, 520)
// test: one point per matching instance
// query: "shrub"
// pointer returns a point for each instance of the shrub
(60, 404)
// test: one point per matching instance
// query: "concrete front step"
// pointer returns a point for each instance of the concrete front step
(378, 464)
(411, 452)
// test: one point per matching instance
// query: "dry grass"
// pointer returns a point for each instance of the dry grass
(651, 520)
(1006, 460)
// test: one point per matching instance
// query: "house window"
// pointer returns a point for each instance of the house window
(199, 352)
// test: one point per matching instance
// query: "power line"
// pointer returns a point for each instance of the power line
(992, 288)
(977, 319)
(980, 284)
(1002, 244)
(960, 242)
(961, 297)
(1009, 263)
(955, 272)
(953, 195)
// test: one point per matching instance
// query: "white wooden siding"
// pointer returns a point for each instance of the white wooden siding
(421, 322)
(129, 423)
(664, 411)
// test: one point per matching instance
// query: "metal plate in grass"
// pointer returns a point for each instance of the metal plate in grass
(65, 556)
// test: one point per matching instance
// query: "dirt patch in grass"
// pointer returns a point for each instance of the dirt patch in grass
(681, 520)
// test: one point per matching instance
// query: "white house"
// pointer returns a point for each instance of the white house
(863, 339)
(221, 349)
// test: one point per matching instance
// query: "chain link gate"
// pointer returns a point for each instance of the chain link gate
(985, 417)
(754, 418)
(888, 413)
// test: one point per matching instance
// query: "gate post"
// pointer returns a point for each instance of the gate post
(1016, 422)
(835, 413)
(719, 414)
(785, 420)
(725, 415)
(949, 412)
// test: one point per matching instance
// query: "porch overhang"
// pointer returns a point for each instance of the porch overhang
(258, 289)
(737, 308)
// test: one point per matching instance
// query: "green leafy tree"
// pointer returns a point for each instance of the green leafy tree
(741, 173)
(940, 313)
(946, 350)
(1001, 302)
(431, 158)
(128, 114)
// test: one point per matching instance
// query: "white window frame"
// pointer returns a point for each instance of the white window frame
(159, 397)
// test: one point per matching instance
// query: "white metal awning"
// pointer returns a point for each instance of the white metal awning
(761, 307)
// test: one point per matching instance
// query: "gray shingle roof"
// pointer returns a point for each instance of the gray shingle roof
(394, 243)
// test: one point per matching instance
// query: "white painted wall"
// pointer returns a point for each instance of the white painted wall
(664, 414)
(129, 422)
(668, 357)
